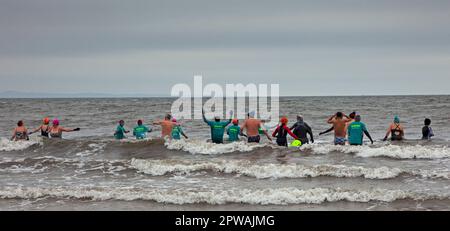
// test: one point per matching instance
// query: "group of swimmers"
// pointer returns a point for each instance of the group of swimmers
(347, 129)
(53, 131)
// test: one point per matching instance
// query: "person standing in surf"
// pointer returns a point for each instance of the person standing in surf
(177, 131)
(234, 131)
(252, 126)
(166, 126)
(44, 128)
(427, 132)
(301, 129)
(352, 117)
(140, 131)
(20, 132)
(281, 132)
(56, 131)
(217, 127)
(356, 131)
(119, 134)
(339, 126)
(396, 130)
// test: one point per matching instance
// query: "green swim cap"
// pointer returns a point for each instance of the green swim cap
(296, 143)
(396, 119)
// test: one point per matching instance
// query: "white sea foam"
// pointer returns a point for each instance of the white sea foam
(392, 151)
(275, 196)
(268, 170)
(8, 145)
(201, 147)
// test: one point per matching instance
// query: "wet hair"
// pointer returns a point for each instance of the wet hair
(339, 114)
(217, 119)
(20, 123)
(352, 115)
(427, 121)
(121, 122)
(139, 122)
(168, 116)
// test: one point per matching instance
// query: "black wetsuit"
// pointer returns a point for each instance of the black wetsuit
(427, 132)
(281, 136)
(301, 129)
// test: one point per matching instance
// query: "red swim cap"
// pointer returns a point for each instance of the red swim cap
(235, 121)
(284, 120)
(46, 120)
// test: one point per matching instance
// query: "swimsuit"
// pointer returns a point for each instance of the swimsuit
(339, 140)
(44, 133)
(396, 133)
(253, 139)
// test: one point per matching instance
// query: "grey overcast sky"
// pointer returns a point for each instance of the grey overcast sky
(145, 47)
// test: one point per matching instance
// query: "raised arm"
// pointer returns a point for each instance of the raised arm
(69, 130)
(331, 119)
(329, 130)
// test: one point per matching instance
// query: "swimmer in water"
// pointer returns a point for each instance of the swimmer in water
(252, 126)
(234, 131)
(166, 126)
(352, 117)
(217, 127)
(177, 131)
(281, 132)
(339, 126)
(301, 129)
(120, 132)
(140, 131)
(427, 132)
(44, 128)
(20, 132)
(396, 130)
(56, 131)
(356, 131)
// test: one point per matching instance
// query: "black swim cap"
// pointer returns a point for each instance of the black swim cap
(339, 114)
(427, 121)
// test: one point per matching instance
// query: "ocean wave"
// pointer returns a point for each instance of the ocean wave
(270, 196)
(202, 147)
(391, 151)
(8, 145)
(275, 171)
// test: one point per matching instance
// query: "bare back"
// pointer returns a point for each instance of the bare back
(166, 128)
(252, 125)
(339, 127)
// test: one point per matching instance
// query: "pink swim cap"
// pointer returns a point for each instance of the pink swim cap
(174, 120)
(55, 122)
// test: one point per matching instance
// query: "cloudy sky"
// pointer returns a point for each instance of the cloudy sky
(145, 47)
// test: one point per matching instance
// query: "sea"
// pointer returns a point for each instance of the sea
(90, 170)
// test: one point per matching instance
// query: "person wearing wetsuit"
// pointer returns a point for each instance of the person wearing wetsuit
(427, 132)
(217, 127)
(281, 133)
(395, 130)
(56, 131)
(20, 132)
(44, 128)
(301, 129)
(140, 131)
(234, 131)
(356, 131)
(177, 130)
(120, 132)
